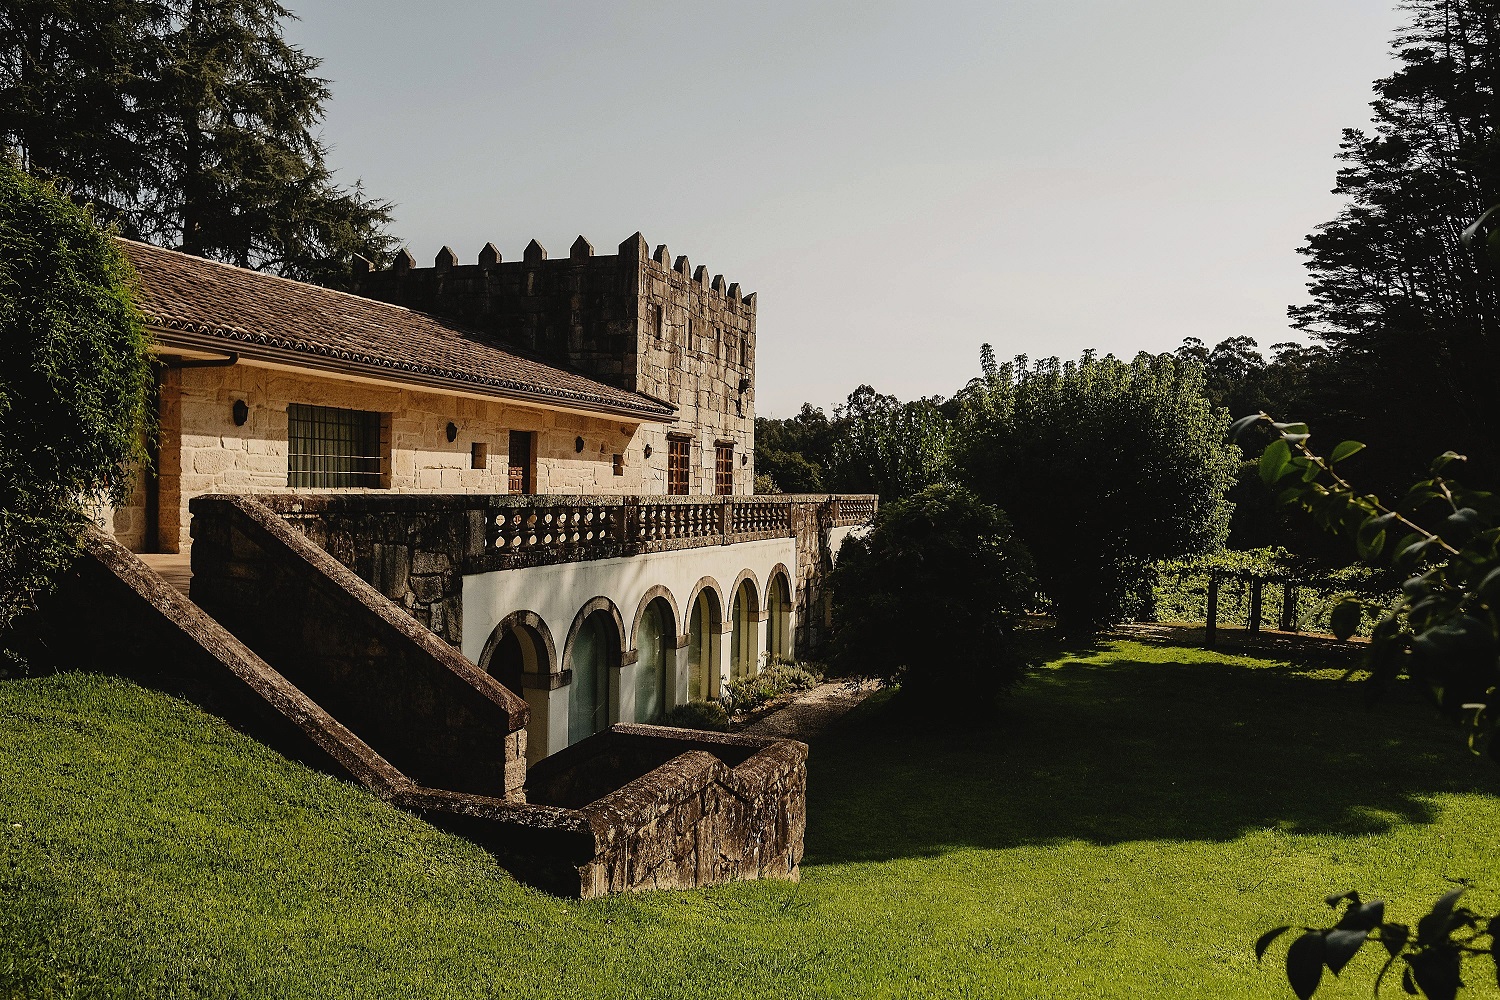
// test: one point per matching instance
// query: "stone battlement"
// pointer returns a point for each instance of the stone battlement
(535, 255)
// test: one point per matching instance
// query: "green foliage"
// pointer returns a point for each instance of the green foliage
(1442, 627)
(1104, 466)
(1431, 957)
(771, 682)
(888, 447)
(928, 599)
(792, 453)
(709, 715)
(74, 380)
(186, 122)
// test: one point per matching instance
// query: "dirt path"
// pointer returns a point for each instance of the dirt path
(811, 713)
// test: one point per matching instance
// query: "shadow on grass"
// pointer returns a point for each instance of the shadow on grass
(1131, 750)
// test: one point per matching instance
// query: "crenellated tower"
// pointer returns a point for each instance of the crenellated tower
(634, 319)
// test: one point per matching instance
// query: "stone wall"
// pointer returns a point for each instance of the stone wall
(412, 697)
(637, 320)
(645, 808)
(674, 808)
(204, 451)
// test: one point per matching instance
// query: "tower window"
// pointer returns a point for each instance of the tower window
(679, 467)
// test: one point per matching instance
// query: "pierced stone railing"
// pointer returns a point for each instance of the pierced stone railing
(547, 526)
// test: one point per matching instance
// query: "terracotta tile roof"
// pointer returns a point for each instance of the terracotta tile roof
(265, 315)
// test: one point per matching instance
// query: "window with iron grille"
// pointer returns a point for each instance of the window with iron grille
(723, 469)
(679, 458)
(331, 447)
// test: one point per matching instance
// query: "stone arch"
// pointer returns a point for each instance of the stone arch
(744, 626)
(592, 656)
(589, 607)
(649, 687)
(700, 671)
(710, 584)
(640, 611)
(542, 658)
(779, 612)
(748, 574)
(521, 654)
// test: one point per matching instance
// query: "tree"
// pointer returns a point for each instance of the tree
(793, 452)
(1410, 318)
(187, 123)
(928, 600)
(74, 380)
(886, 446)
(1104, 467)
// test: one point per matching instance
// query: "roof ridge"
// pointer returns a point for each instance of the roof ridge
(275, 277)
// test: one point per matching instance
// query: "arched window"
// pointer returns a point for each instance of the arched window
(595, 649)
(703, 641)
(779, 619)
(655, 634)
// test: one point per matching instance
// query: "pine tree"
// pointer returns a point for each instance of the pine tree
(189, 123)
(1410, 316)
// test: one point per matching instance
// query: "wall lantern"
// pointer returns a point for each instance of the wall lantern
(648, 451)
(745, 459)
(578, 445)
(452, 432)
(241, 412)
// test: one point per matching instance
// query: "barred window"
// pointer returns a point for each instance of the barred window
(679, 458)
(330, 447)
(723, 469)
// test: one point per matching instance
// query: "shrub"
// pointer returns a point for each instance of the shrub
(708, 715)
(1105, 466)
(927, 600)
(773, 681)
(74, 380)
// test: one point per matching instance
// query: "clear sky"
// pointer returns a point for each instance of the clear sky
(900, 181)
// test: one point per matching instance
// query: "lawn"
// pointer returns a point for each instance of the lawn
(1140, 815)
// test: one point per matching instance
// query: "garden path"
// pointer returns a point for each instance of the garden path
(811, 713)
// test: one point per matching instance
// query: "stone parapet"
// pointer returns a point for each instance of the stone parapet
(424, 707)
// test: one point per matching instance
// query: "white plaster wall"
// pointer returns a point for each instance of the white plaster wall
(556, 593)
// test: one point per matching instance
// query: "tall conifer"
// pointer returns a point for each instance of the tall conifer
(189, 123)
(1411, 317)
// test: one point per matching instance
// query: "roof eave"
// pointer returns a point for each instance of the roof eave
(170, 337)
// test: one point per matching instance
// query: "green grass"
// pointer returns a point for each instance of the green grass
(1141, 815)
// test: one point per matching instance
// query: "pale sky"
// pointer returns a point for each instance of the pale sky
(900, 181)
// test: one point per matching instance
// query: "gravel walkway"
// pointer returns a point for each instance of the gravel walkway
(811, 713)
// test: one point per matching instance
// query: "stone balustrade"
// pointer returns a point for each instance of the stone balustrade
(528, 530)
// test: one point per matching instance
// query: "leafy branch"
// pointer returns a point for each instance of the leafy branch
(1431, 958)
(1441, 628)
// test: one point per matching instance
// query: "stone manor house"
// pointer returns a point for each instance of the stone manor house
(480, 521)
